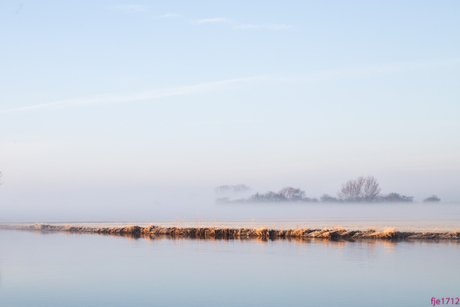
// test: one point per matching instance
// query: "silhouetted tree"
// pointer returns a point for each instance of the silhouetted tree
(328, 199)
(288, 194)
(292, 194)
(360, 189)
(396, 198)
(432, 199)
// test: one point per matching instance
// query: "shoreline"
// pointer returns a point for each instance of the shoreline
(402, 225)
(333, 233)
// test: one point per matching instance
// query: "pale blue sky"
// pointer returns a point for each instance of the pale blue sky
(157, 95)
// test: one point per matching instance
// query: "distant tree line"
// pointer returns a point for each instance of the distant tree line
(287, 194)
(362, 189)
(432, 199)
(232, 188)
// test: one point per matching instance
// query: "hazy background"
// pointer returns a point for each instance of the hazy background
(138, 109)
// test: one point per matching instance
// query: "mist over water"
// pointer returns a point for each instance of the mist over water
(116, 114)
(195, 209)
(98, 202)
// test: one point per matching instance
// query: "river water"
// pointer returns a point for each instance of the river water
(61, 269)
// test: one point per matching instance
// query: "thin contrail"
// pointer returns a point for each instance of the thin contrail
(153, 94)
(206, 86)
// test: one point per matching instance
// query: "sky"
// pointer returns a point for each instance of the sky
(115, 105)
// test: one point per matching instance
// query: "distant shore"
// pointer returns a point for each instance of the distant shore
(334, 233)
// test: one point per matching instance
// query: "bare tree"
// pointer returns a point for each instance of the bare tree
(351, 190)
(292, 194)
(371, 189)
(360, 189)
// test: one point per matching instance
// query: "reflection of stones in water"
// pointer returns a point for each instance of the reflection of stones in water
(389, 247)
(262, 234)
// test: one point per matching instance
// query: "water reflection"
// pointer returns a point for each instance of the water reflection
(68, 269)
(388, 244)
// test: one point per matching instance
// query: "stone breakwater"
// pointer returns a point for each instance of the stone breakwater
(336, 233)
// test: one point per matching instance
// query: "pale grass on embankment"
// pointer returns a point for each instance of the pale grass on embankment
(335, 233)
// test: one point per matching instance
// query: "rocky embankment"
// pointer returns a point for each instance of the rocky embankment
(336, 233)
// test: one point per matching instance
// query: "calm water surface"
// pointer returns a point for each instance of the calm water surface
(58, 269)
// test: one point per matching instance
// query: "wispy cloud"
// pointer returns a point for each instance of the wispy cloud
(224, 84)
(211, 20)
(130, 7)
(146, 95)
(272, 26)
(169, 15)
